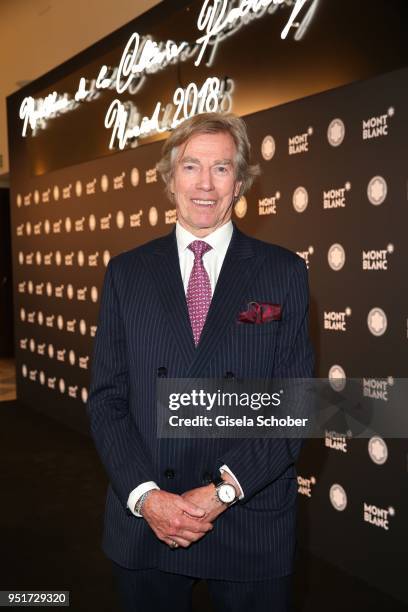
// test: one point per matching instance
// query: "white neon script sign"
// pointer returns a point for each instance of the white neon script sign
(34, 113)
(127, 125)
(219, 20)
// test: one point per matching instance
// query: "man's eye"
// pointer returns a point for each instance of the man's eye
(189, 167)
(221, 169)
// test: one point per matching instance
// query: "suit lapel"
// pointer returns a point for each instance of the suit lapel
(240, 266)
(163, 264)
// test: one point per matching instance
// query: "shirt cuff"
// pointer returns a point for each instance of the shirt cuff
(137, 493)
(225, 468)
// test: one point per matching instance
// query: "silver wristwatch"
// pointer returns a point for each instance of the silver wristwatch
(225, 492)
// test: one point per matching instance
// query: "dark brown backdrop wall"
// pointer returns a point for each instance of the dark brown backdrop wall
(6, 281)
(333, 188)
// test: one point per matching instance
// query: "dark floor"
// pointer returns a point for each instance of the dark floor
(52, 499)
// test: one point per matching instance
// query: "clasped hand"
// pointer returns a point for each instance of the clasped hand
(182, 519)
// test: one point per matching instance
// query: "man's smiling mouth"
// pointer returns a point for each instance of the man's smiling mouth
(203, 202)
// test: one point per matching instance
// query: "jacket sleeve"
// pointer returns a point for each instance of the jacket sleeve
(258, 462)
(116, 437)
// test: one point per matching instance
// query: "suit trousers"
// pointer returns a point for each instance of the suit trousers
(151, 589)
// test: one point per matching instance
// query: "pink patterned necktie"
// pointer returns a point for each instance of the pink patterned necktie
(199, 289)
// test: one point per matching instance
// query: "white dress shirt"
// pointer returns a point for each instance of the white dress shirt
(212, 260)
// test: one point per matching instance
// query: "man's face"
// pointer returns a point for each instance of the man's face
(204, 184)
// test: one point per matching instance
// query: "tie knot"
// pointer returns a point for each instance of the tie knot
(199, 247)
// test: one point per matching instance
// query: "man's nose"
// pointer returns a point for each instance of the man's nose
(205, 179)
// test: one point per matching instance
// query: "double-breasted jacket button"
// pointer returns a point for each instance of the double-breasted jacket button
(229, 375)
(162, 372)
(169, 473)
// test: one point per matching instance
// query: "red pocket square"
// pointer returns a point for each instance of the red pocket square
(261, 312)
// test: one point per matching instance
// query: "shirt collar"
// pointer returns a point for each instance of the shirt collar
(219, 239)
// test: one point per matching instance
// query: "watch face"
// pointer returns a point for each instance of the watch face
(226, 493)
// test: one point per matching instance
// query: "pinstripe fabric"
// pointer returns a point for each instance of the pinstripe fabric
(143, 326)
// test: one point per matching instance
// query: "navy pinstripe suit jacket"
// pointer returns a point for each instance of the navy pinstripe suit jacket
(144, 331)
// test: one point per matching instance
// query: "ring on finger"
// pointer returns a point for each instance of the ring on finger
(173, 544)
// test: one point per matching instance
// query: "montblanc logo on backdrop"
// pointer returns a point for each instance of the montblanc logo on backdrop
(338, 497)
(336, 197)
(377, 126)
(336, 132)
(120, 219)
(19, 200)
(119, 181)
(336, 320)
(377, 388)
(241, 207)
(377, 321)
(300, 199)
(135, 219)
(105, 222)
(377, 190)
(134, 177)
(45, 196)
(336, 441)
(104, 183)
(52, 383)
(305, 485)
(377, 450)
(106, 257)
(306, 255)
(300, 142)
(267, 205)
(93, 259)
(66, 192)
(378, 517)
(79, 224)
(56, 193)
(69, 258)
(56, 226)
(377, 259)
(92, 222)
(91, 187)
(336, 257)
(151, 175)
(337, 377)
(153, 216)
(78, 188)
(37, 197)
(268, 147)
(170, 216)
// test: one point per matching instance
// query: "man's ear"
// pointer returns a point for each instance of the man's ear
(237, 189)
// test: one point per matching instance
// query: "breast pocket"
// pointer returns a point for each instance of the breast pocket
(253, 329)
(254, 348)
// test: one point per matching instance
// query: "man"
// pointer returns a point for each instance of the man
(185, 509)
